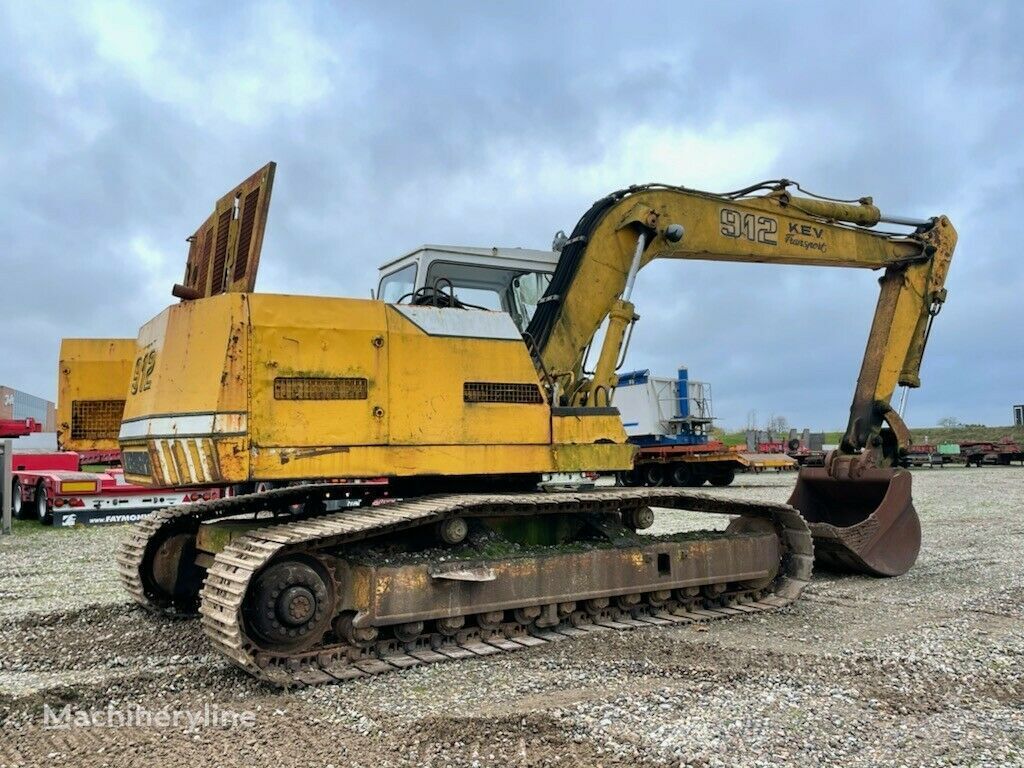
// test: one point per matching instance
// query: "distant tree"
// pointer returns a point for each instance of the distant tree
(950, 422)
(778, 425)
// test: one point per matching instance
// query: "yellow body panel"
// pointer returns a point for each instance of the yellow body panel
(187, 410)
(585, 428)
(200, 360)
(427, 405)
(245, 387)
(296, 336)
(92, 380)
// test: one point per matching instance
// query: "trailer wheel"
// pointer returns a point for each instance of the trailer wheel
(654, 475)
(627, 478)
(682, 475)
(687, 476)
(42, 504)
(17, 506)
(723, 477)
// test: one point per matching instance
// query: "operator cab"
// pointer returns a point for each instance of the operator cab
(508, 280)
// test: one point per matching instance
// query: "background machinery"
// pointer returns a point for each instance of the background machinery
(81, 482)
(464, 411)
(670, 420)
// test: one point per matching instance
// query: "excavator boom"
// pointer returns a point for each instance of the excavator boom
(624, 231)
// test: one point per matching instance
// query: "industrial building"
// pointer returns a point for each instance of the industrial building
(15, 404)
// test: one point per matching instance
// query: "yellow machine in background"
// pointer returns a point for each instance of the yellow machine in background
(92, 380)
(301, 397)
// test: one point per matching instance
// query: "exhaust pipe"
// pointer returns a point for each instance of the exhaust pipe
(862, 525)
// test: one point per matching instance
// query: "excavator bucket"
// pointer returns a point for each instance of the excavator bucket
(865, 525)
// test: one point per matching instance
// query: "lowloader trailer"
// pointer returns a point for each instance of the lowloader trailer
(52, 488)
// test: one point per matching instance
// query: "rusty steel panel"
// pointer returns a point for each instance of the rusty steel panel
(96, 419)
(224, 252)
(423, 591)
(866, 524)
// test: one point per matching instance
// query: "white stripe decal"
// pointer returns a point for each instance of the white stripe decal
(193, 476)
(207, 474)
(202, 424)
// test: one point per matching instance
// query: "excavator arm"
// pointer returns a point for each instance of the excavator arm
(626, 231)
(765, 223)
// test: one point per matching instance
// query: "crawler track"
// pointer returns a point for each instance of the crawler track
(229, 577)
(138, 545)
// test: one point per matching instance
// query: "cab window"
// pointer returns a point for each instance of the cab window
(491, 287)
(397, 284)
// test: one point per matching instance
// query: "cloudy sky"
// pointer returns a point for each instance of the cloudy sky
(497, 124)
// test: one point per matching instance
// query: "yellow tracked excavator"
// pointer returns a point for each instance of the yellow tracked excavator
(395, 458)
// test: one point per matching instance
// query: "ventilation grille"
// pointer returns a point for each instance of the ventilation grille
(300, 388)
(245, 234)
(96, 419)
(499, 392)
(220, 254)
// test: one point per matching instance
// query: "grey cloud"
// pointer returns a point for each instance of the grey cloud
(918, 106)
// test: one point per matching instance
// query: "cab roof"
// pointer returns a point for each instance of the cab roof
(529, 259)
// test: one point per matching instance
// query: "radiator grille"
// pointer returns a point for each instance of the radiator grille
(500, 392)
(220, 253)
(245, 233)
(303, 388)
(96, 419)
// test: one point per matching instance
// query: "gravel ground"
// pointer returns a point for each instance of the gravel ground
(925, 669)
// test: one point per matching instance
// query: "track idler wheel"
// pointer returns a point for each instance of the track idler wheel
(865, 524)
(169, 572)
(290, 605)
